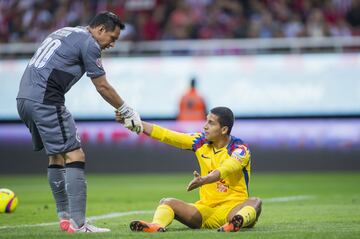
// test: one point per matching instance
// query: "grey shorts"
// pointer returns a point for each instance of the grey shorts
(52, 127)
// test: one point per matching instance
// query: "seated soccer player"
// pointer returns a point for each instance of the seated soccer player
(223, 181)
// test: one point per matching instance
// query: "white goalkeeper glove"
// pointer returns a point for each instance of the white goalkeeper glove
(125, 111)
(134, 123)
(131, 118)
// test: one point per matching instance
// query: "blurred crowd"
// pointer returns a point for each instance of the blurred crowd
(32, 20)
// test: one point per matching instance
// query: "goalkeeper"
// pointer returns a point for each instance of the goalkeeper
(223, 180)
(61, 60)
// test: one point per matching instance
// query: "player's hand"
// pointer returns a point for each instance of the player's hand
(134, 123)
(129, 118)
(196, 182)
(125, 111)
(119, 118)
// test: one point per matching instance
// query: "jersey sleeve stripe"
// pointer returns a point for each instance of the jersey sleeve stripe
(199, 141)
(246, 176)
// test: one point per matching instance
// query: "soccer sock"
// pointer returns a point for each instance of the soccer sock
(248, 214)
(76, 190)
(163, 215)
(56, 179)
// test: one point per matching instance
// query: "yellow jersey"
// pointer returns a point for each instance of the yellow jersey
(233, 162)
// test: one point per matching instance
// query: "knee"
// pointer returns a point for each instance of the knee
(162, 201)
(256, 201)
(75, 155)
(56, 159)
(82, 155)
(166, 201)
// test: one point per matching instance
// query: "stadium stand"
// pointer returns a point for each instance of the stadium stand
(148, 20)
(201, 27)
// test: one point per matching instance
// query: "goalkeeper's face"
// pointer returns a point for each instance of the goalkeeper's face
(212, 128)
(106, 39)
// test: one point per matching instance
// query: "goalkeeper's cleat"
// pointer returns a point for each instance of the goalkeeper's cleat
(141, 226)
(87, 227)
(233, 226)
(64, 224)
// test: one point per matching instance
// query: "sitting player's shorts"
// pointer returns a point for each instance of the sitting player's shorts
(51, 126)
(215, 217)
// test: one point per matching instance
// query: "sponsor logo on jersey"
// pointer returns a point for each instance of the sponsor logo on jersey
(205, 157)
(220, 187)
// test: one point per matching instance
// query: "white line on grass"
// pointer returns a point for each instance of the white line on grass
(122, 214)
(288, 199)
(93, 218)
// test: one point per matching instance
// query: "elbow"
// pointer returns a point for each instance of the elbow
(219, 172)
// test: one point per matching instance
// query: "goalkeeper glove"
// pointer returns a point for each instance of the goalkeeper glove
(134, 123)
(125, 111)
(131, 118)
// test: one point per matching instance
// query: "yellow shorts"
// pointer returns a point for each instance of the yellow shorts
(215, 217)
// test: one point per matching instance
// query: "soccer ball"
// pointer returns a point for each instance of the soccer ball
(8, 201)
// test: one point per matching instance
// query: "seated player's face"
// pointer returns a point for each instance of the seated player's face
(212, 127)
(106, 39)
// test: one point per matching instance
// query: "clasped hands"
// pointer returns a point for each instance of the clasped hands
(129, 118)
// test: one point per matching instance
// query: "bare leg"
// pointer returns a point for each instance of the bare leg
(57, 159)
(253, 202)
(184, 212)
(75, 156)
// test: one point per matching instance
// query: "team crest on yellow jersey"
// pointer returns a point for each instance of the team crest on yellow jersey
(240, 153)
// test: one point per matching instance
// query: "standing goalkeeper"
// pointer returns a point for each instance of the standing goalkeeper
(61, 60)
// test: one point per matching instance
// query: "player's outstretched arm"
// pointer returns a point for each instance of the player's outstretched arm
(107, 91)
(131, 118)
(148, 127)
(198, 181)
(164, 135)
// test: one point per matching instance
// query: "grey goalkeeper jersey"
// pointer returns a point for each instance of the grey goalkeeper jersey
(60, 61)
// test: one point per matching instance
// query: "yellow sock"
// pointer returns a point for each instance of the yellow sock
(249, 215)
(163, 215)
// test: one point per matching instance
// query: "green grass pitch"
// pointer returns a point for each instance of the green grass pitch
(296, 205)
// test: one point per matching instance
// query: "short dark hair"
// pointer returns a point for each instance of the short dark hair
(108, 19)
(225, 116)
